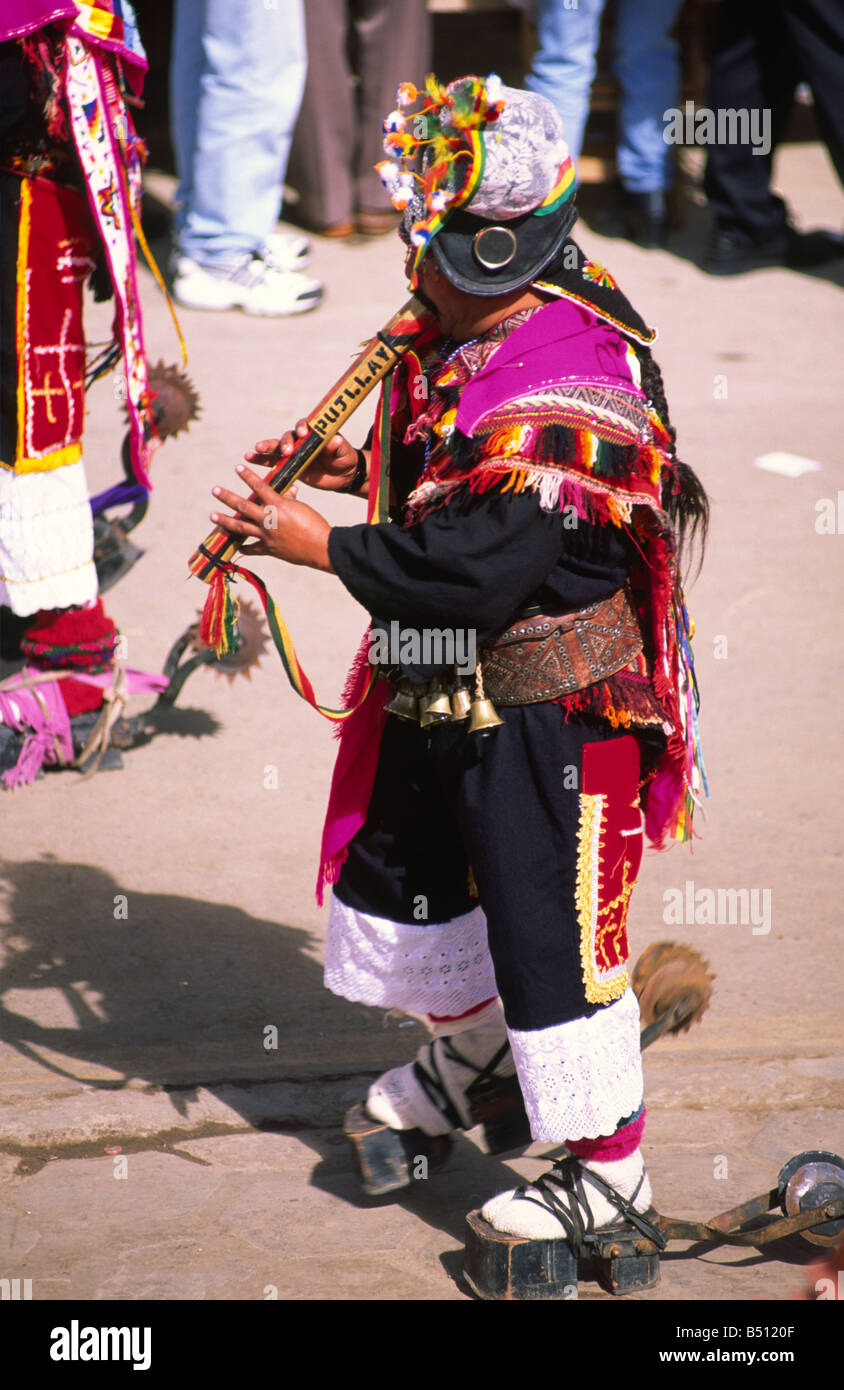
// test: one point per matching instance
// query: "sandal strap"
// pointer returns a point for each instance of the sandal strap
(575, 1217)
(571, 1214)
(434, 1086)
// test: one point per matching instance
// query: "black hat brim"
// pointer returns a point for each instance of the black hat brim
(538, 239)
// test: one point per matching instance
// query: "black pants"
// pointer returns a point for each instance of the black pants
(510, 807)
(763, 49)
(546, 816)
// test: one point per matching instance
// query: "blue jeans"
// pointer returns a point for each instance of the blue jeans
(645, 63)
(236, 81)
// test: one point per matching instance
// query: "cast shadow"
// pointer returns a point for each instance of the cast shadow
(163, 988)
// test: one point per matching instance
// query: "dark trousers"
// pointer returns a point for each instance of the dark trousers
(763, 49)
(512, 807)
(358, 53)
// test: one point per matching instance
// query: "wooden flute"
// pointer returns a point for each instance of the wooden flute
(377, 358)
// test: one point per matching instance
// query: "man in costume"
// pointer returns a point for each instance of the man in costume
(70, 188)
(482, 877)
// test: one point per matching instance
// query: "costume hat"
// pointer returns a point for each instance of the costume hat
(484, 178)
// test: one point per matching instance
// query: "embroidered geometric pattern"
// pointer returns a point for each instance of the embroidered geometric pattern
(604, 966)
(112, 175)
(538, 659)
(598, 275)
(596, 403)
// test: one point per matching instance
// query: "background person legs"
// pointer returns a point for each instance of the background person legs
(752, 68)
(564, 64)
(762, 52)
(359, 52)
(646, 62)
(236, 83)
(393, 43)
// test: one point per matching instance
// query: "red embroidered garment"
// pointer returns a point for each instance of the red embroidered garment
(55, 246)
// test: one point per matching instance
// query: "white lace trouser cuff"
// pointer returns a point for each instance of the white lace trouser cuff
(440, 968)
(580, 1078)
(46, 540)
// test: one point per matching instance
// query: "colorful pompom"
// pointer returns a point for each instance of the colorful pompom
(399, 147)
(406, 94)
(393, 122)
(438, 149)
(402, 191)
(388, 173)
(494, 89)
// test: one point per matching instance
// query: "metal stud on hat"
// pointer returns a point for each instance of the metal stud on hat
(494, 247)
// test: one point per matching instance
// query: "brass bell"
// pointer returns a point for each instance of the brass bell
(461, 701)
(482, 717)
(404, 704)
(434, 707)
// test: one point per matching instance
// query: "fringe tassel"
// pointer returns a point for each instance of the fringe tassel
(603, 451)
(329, 873)
(218, 624)
(44, 57)
(355, 683)
(103, 363)
(624, 699)
(557, 490)
(695, 771)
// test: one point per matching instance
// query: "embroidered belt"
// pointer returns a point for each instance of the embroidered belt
(541, 658)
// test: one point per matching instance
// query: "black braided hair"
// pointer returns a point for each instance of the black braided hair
(683, 494)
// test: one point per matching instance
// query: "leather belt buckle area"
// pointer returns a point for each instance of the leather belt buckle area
(543, 657)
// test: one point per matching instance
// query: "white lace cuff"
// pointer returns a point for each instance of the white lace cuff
(441, 968)
(580, 1078)
(46, 540)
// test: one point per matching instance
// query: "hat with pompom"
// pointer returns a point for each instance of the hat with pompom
(484, 178)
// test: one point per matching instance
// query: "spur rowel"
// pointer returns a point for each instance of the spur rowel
(813, 1179)
(673, 984)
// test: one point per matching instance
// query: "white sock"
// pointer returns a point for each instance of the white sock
(534, 1219)
(399, 1099)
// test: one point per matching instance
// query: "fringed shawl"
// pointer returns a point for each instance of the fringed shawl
(549, 401)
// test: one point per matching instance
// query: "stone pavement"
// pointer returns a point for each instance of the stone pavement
(156, 1140)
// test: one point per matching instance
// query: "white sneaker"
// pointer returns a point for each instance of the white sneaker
(287, 251)
(251, 283)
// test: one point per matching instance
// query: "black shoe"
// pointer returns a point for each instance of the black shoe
(645, 217)
(638, 217)
(807, 249)
(733, 252)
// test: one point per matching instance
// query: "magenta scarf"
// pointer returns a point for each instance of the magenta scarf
(354, 770)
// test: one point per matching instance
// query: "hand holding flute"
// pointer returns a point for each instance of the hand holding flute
(309, 545)
(331, 471)
(280, 525)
